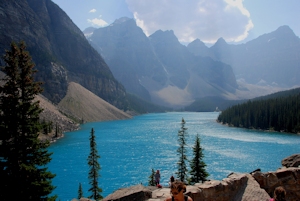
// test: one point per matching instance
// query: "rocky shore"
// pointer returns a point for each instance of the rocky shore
(254, 186)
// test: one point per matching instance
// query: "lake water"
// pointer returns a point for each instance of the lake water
(129, 149)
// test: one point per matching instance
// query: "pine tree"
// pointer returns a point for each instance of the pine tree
(80, 191)
(197, 172)
(94, 168)
(182, 168)
(23, 158)
(151, 181)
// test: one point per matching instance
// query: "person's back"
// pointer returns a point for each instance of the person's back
(279, 194)
(177, 191)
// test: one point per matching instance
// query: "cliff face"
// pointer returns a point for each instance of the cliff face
(58, 48)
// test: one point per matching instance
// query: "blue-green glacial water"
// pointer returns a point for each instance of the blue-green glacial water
(129, 149)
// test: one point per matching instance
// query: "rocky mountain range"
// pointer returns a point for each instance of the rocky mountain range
(160, 69)
(157, 68)
(271, 59)
(59, 49)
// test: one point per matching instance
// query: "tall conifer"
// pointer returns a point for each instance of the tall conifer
(151, 180)
(80, 191)
(94, 168)
(197, 172)
(181, 151)
(23, 157)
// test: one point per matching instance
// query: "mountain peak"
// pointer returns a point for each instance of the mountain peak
(196, 43)
(284, 30)
(167, 32)
(165, 36)
(197, 47)
(122, 20)
(221, 41)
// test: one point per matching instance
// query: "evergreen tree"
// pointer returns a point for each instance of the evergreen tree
(151, 181)
(197, 172)
(80, 191)
(182, 168)
(23, 158)
(94, 168)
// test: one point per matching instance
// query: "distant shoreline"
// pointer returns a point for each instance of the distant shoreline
(255, 129)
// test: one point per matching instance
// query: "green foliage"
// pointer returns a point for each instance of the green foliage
(80, 191)
(197, 172)
(151, 181)
(23, 158)
(58, 130)
(181, 151)
(94, 168)
(278, 114)
(46, 127)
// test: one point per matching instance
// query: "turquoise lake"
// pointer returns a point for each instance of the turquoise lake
(129, 149)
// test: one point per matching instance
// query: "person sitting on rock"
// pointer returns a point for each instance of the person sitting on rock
(177, 190)
(279, 194)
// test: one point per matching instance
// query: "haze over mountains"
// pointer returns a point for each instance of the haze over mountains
(272, 58)
(156, 68)
(160, 69)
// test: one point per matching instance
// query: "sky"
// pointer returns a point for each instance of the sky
(236, 21)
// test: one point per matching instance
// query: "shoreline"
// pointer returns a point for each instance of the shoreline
(255, 129)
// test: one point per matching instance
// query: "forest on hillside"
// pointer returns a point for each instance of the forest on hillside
(278, 113)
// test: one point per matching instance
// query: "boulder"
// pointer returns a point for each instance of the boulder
(133, 193)
(235, 187)
(291, 161)
(289, 178)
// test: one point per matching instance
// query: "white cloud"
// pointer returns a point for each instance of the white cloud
(204, 19)
(93, 10)
(97, 22)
